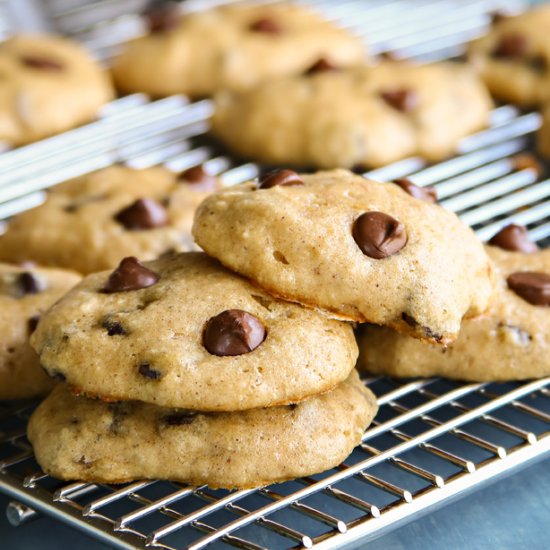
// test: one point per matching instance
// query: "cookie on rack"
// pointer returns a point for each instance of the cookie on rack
(25, 294)
(511, 343)
(514, 58)
(355, 248)
(184, 332)
(365, 116)
(91, 223)
(77, 438)
(245, 45)
(49, 85)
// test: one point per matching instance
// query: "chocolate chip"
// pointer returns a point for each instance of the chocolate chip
(161, 16)
(428, 194)
(402, 99)
(321, 66)
(143, 214)
(266, 25)
(199, 179)
(533, 287)
(511, 46)
(27, 283)
(233, 332)
(379, 235)
(42, 63)
(181, 418)
(146, 371)
(32, 323)
(113, 328)
(279, 177)
(514, 237)
(130, 275)
(56, 375)
(428, 332)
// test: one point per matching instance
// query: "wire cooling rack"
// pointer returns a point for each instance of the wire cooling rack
(433, 440)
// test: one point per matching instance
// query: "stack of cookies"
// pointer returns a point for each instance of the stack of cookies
(204, 376)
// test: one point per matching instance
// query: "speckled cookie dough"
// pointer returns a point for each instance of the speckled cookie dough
(365, 116)
(245, 45)
(514, 58)
(25, 294)
(358, 249)
(183, 332)
(76, 438)
(90, 223)
(48, 85)
(511, 343)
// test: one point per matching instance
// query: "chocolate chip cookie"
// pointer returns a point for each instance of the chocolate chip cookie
(514, 58)
(89, 440)
(232, 47)
(183, 332)
(25, 294)
(90, 223)
(357, 249)
(48, 85)
(365, 116)
(511, 343)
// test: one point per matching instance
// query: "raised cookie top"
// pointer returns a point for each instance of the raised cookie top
(90, 223)
(182, 331)
(357, 248)
(361, 116)
(246, 45)
(514, 56)
(48, 84)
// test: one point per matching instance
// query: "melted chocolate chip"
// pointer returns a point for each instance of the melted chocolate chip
(32, 323)
(279, 177)
(533, 287)
(113, 328)
(233, 332)
(515, 238)
(143, 214)
(428, 332)
(42, 63)
(199, 179)
(378, 235)
(130, 275)
(511, 46)
(428, 194)
(161, 16)
(147, 372)
(403, 99)
(321, 66)
(27, 283)
(266, 25)
(181, 418)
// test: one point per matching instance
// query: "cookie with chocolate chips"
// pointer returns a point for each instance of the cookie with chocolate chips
(514, 57)
(355, 248)
(246, 45)
(48, 85)
(25, 294)
(363, 116)
(91, 223)
(512, 342)
(77, 438)
(183, 332)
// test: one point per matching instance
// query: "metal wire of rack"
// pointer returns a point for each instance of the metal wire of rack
(432, 440)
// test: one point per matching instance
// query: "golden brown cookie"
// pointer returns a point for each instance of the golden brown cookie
(183, 332)
(91, 223)
(365, 116)
(48, 85)
(25, 294)
(356, 248)
(514, 57)
(511, 343)
(232, 47)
